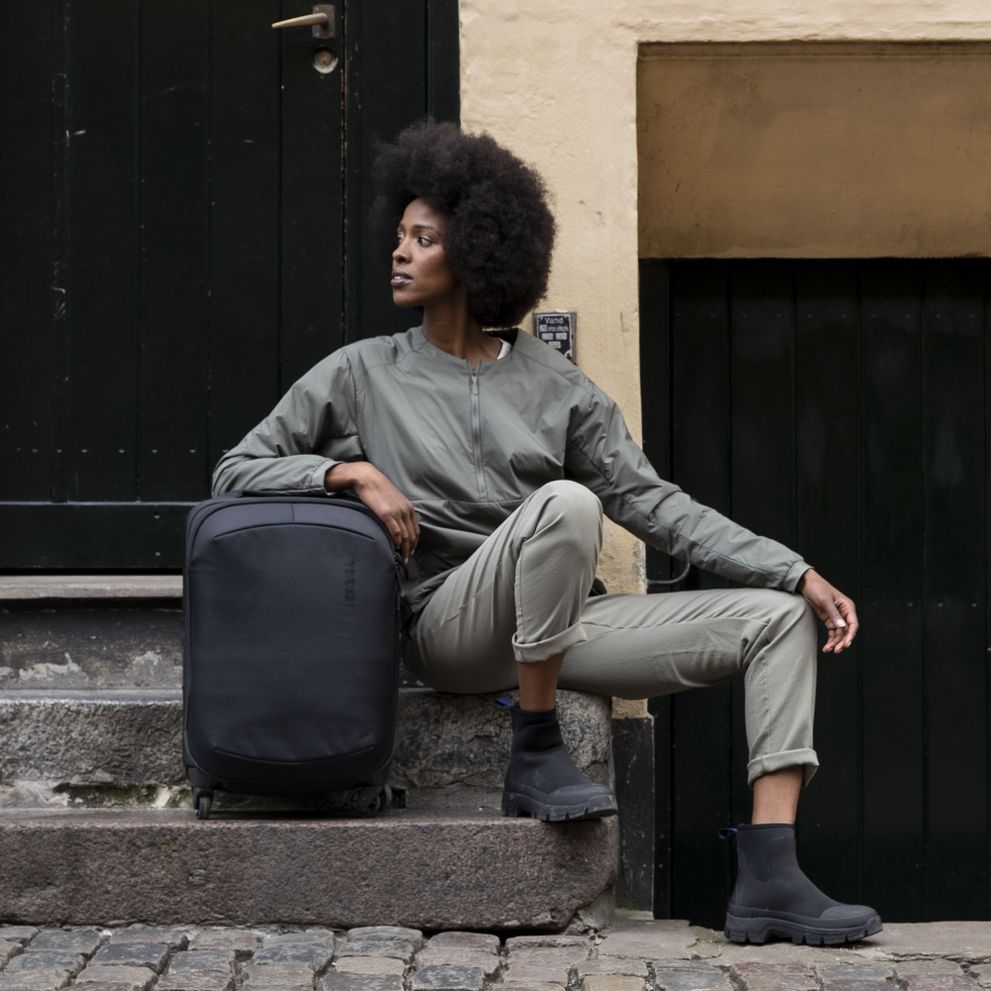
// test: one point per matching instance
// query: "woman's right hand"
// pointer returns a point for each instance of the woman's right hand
(382, 498)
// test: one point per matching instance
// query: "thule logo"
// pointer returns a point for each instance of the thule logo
(350, 581)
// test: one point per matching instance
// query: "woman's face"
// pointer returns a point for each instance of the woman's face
(421, 273)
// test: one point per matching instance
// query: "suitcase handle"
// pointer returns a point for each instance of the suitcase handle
(348, 496)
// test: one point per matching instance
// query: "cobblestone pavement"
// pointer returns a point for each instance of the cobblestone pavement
(632, 955)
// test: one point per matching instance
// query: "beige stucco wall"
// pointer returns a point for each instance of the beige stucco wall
(556, 81)
(814, 151)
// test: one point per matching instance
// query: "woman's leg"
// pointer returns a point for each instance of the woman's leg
(496, 621)
(506, 617)
(776, 796)
(516, 602)
(640, 646)
(538, 683)
(509, 614)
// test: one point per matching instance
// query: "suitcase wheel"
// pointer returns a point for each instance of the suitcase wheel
(203, 802)
(369, 801)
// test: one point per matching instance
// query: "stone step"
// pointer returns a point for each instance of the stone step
(123, 748)
(93, 632)
(90, 631)
(427, 868)
(96, 826)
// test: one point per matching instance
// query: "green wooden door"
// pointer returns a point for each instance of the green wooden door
(841, 407)
(181, 235)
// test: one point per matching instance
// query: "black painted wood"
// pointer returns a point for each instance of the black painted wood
(312, 205)
(173, 301)
(892, 677)
(183, 242)
(32, 302)
(700, 390)
(762, 423)
(701, 722)
(244, 244)
(102, 222)
(443, 64)
(72, 536)
(954, 644)
(846, 414)
(987, 558)
(828, 533)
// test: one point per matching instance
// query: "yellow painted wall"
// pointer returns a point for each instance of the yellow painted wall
(814, 151)
(556, 81)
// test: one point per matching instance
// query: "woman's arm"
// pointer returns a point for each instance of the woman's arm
(381, 497)
(290, 450)
(293, 450)
(602, 455)
(835, 609)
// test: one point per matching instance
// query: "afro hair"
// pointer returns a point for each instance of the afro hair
(500, 231)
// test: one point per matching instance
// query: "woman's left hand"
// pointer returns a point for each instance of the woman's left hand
(834, 608)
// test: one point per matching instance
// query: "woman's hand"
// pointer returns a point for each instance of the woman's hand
(382, 498)
(835, 609)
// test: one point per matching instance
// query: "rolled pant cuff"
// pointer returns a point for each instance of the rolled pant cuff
(530, 653)
(768, 763)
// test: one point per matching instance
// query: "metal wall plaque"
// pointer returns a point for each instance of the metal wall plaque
(558, 330)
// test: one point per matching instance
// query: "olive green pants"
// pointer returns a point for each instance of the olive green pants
(523, 597)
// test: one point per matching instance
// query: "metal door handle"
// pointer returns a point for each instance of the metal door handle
(322, 20)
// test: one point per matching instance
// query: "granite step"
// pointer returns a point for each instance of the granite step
(93, 632)
(96, 821)
(428, 868)
(90, 631)
(123, 748)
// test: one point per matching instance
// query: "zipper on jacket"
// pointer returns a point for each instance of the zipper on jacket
(476, 431)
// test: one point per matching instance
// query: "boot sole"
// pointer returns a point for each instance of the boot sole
(759, 930)
(514, 804)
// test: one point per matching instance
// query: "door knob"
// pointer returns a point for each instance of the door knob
(322, 21)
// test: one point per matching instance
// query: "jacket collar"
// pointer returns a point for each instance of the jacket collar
(420, 343)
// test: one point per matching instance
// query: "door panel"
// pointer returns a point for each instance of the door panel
(184, 235)
(31, 301)
(244, 255)
(827, 530)
(891, 671)
(312, 199)
(956, 711)
(840, 407)
(102, 255)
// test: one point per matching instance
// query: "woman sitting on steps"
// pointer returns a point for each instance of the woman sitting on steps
(491, 459)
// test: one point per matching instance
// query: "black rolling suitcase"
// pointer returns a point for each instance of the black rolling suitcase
(291, 663)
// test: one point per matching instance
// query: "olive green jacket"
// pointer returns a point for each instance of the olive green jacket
(466, 447)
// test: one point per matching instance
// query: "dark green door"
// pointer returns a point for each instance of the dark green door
(841, 407)
(182, 216)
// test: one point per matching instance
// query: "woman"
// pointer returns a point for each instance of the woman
(491, 459)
